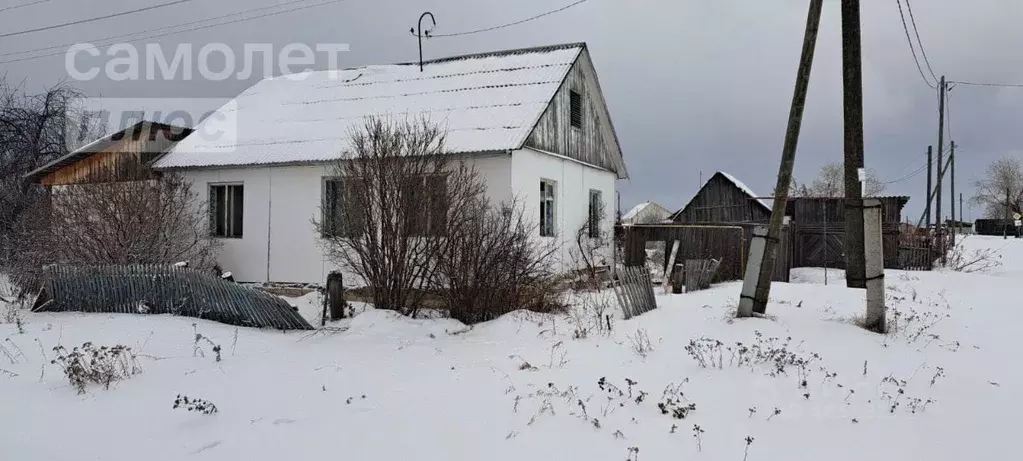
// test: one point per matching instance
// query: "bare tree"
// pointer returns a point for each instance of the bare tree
(830, 182)
(35, 129)
(387, 214)
(1002, 175)
(492, 265)
(593, 244)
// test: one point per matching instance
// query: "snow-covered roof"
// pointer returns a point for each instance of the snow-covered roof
(487, 102)
(744, 188)
(634, 211)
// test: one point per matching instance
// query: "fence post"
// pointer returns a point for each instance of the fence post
(336, 295)
(874, 256)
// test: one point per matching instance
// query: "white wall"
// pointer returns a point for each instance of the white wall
(573, 182)
(279, 242)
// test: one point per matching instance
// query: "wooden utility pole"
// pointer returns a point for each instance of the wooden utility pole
(960, 207)
(941, 165)
(952, 189)
(929, 186)
(760, 265)
(852, 96)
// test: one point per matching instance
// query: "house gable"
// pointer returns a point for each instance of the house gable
(723, 200)
(594, 142)
(126, 155)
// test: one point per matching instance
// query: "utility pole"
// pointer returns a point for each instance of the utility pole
(760, 266)
(952, 190)
(929, 186)
(852, 96)
(960, 207)
(941, 165)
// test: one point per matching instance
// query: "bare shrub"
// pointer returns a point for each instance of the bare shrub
(388, 209)
(101, 365)
(492, 265)
(640, 342)
(148, 221)
(193, 404)
(592, 313)
(593, 245)
(961, 259)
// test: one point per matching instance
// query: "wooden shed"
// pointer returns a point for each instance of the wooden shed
(126, 155)
(717, 223)
(723, 199)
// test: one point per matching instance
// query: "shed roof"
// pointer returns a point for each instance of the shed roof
(732, 179)
(101, 144)
(487, 102)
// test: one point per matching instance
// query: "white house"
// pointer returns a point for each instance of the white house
(533, 121)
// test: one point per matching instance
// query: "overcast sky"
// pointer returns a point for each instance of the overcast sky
(692, 85)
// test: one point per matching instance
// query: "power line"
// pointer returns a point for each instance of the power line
(175, 26)
(908, 176)
(515, 23)
(224, 23)
(14, 7)
(999, 85)
(912, 49)
(98, 18)
(919, 42)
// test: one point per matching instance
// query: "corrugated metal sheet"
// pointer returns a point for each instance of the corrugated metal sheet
(154, 289)
(487, 102)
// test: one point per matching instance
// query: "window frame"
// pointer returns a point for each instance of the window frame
(335, 223)
(228, 214)
(592, 218)
(548, 207)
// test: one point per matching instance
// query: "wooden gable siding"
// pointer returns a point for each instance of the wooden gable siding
(595, 142)
(126, 159)
(721, 201)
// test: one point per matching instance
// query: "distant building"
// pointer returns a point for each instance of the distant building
(645, 213)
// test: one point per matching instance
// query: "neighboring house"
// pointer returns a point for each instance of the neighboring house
(645, 213)
(533, 121)
(723, 199)
(126, 155)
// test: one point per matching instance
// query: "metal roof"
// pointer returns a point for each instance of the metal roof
(486, 102)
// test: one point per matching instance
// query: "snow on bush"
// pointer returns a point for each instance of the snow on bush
(101, 365)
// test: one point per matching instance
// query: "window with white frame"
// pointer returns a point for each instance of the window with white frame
(342, 214)
(547, 208)
(227, 203)
(595, 210)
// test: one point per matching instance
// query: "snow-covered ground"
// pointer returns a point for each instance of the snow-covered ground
(392, 388)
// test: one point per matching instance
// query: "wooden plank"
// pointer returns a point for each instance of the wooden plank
(669, 267)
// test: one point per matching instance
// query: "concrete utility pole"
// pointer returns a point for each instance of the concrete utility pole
(941, 165)
(756, 285)
(874, 250)
(1005, 224)
(930, 187)
(852, 95)
(952, 190)
(960, 207)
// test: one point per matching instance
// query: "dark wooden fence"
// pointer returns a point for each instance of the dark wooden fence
(817, 245)
(918, 252)
(995, 227)
(728, 243)
(153, 289)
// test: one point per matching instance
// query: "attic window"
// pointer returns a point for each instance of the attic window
(575, 101)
